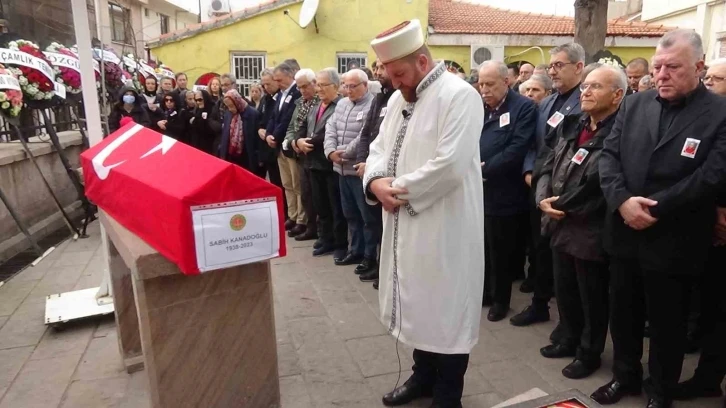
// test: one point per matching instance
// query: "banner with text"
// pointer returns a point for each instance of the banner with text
(8, 56)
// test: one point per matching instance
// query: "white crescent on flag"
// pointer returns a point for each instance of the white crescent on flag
(102, 170)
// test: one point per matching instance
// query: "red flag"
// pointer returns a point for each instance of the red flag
(148, 183)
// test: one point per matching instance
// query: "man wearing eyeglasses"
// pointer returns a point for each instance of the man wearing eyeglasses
(569, 195)
(715, 79)
(341, 141)
(565, 69)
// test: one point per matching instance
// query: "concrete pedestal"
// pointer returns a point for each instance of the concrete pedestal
(206, 340)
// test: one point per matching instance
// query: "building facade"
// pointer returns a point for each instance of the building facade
(706, 17)
(463, 34)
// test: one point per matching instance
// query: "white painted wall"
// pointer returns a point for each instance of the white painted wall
(707, 19)
(151, 24)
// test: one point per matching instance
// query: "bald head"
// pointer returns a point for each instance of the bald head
(525, 72)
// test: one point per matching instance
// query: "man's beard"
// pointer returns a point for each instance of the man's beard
(409, 94)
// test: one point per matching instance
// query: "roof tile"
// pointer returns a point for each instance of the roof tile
(459, 17)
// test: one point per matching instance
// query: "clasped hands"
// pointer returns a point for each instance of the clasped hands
(636, 213)
(546, 207)
(386, 194)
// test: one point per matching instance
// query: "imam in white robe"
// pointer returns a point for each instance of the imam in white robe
(432, 253)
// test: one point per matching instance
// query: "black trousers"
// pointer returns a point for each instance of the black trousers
(582, 299)
(665, 294)
(444, 373)
(326, 198)
(306, 196)
(273, 173)
(504, 243)
(712, 363)
(541, 259)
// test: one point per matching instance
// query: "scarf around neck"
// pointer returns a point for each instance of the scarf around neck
(236, 134)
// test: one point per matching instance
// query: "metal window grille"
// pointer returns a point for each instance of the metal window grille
(345, 60)
(247, 69)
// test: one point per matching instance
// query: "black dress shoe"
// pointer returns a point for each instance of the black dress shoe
(318, 243)
(289, 224)
(695, 388)
(307, 236)
(527, 286)
(558, 351)
(375, 284)
(613, 392)
(487, 301)
(339, 255)
(366, 266)
(349, 259)
(658, 403)
(557, 334)
(323, 250)
(530, 315)
(296, 230)
(406, 393)
(497, 312)
(580, 369)
(369, 276)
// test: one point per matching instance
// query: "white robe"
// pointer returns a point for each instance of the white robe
(432, 254)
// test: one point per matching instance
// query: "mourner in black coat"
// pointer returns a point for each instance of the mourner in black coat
(661, 170)
(128, 107)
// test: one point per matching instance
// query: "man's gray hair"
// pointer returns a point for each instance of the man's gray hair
(621, 80)
(501, 67)
(591, 67)
(359, 74)
(646, 81)
(230, 77)
(717, 62)
(523, 87)
(285, 69)
(332, 74)
(544, 80)
(307, 74)
(266, 72)
(575, 52)
(165, 78)
(683, 34)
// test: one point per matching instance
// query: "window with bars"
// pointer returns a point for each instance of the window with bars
(348, 61)
(247, 69)
(120, 17)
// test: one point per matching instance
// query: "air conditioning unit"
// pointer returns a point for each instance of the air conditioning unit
(218, 7)
(483, 53)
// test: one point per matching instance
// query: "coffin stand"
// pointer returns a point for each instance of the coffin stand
(205, 340)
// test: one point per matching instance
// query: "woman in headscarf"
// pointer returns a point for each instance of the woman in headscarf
(129, 105)
(240, 144)
(215, 89)
(202, 134)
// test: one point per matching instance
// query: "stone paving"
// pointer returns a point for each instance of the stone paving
(332, 350)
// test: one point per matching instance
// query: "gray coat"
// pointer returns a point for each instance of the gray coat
(342, 131)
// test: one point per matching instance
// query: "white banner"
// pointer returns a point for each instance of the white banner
(8, 56)
(106, 55)
(9, 82)
(165, 72)
(130, 63)
(235, 233)
(199, 88)
(62, 60)
(146, 70)
(60, 89)
(97, 66)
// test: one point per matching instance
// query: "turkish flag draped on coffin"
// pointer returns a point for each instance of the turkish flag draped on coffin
(151, 183)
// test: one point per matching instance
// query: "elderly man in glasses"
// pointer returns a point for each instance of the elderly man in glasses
(341, 142)
(569, 195)
(565, 69)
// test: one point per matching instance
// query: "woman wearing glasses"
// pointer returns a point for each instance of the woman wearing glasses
(202, 134)
(172, 123)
